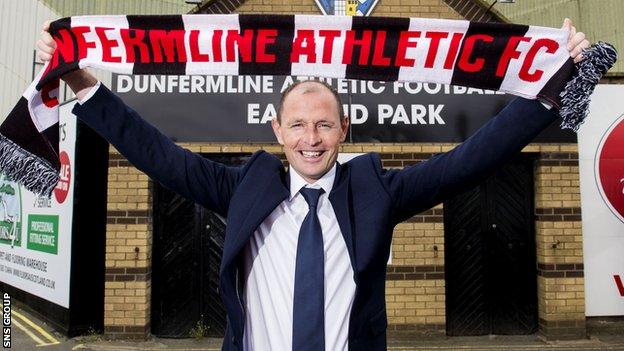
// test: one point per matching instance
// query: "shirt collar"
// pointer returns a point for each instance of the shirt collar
(326, 182)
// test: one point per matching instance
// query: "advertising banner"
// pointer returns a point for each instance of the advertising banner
(601, 162)
(240, 108)
(35, 231)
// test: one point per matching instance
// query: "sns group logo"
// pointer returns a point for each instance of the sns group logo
(609, 168)
(346, 7)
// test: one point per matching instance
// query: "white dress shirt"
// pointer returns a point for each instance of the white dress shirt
(90, 93)
(269, 268)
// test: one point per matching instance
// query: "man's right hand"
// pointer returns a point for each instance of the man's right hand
(80, 81)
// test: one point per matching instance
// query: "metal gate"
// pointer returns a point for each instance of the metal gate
(491, 269)
(187, 251)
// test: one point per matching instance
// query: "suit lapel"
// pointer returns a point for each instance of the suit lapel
(265, 202)
(277, 191)
(339, 198)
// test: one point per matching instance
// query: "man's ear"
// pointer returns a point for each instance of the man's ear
(277, 129)
(344, 127)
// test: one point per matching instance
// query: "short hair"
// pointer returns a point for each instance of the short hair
(310, 90)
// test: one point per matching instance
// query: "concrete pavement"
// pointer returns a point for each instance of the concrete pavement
(30, 333)
(507, 343)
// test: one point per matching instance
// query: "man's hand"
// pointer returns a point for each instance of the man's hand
(80, 81)
(576, 41)
(45, 45)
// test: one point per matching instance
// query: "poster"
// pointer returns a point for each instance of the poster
(240, 108)
(35, 231)
(601, 167)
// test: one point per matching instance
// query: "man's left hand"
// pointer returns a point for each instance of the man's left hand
(576, 41)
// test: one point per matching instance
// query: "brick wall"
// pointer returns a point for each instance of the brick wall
(415, 8)
(415, 280)
(418, 246)
(279, 6)
(561, 286)
(128, 251)
(393, 8)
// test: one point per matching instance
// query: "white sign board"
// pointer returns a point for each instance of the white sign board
(601, 162)
(35, 232)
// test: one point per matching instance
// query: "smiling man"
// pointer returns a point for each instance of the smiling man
(305, 252)
(310, 124)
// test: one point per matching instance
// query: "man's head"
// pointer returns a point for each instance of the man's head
(310, 125)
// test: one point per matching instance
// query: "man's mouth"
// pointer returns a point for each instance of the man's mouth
(311, 154)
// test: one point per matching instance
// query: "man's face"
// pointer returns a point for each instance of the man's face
(310, 130)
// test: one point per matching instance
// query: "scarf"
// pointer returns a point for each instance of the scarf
(527, 61)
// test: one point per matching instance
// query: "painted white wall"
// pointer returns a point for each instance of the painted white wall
(603, 228)
(20, 24)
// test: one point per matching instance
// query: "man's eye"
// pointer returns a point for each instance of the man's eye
(296, 125)
(325, 125)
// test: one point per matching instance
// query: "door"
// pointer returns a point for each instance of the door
(187, 251)
(491, 268)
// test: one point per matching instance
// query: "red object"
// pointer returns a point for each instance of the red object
(62, 187)
(610, 168)
(464, 63)
(351, 42)
(433, 47)
(525, 73)
(49, 100)
(304, 45)
(618, 283)
(510, 53)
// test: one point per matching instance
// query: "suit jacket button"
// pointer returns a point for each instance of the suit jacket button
(234, 340)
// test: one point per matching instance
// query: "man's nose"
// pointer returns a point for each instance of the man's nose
(312, 136)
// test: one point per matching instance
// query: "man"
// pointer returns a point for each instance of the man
(305, 251)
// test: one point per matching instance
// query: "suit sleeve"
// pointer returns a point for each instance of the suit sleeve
(208, 183)
(419, 187)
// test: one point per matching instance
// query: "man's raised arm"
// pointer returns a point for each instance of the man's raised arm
(208, 183)
(424, 185)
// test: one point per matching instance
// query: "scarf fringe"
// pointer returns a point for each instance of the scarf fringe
(23, 167)
(575, 97)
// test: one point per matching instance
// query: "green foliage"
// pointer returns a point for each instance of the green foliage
(90, 336)
(200, 330)
(7, 189)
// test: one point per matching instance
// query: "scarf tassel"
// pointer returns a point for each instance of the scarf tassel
(575, 97)
(33, 172)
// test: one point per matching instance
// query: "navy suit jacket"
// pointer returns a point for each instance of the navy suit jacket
(368, 200)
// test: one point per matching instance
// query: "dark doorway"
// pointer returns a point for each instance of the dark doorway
(187, 251)
(490, 259)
